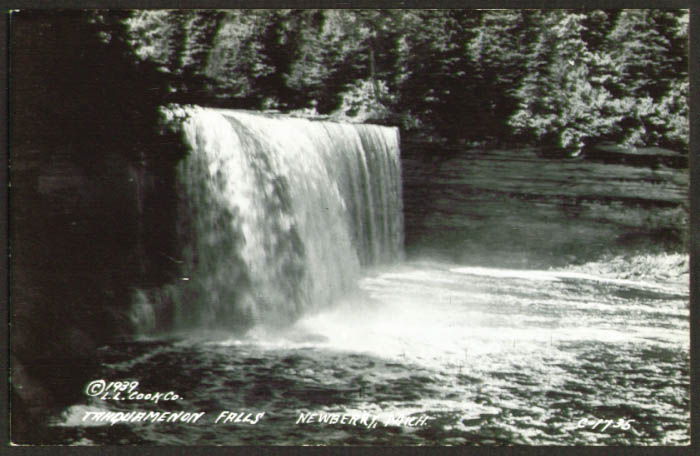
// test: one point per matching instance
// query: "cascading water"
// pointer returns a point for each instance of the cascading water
(277, 216)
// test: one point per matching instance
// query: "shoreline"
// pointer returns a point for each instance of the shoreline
(670, 269)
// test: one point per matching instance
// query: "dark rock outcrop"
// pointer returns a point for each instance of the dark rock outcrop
(88, 172)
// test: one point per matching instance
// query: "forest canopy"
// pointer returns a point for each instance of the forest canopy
(560, 78)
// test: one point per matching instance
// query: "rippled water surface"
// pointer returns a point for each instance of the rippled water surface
(489, 356)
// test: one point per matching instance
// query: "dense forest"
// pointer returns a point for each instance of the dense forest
(559, 78)
(555, 77)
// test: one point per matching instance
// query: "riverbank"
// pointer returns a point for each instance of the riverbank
(671, 269)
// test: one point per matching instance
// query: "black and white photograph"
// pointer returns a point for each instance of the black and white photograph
(349, 227)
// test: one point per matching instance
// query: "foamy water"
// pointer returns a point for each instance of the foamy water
(490, 356)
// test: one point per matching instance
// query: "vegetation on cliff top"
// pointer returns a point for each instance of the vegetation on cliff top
(557, 78)
(554, 78)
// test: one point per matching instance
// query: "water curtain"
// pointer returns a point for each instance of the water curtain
(278, 216)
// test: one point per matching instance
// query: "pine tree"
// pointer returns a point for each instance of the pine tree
(649, 48)
(498, 52)
(236, 60)
(437, 92)
(152, 34)
(563, 98)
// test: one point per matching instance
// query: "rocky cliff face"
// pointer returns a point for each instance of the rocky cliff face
(86, 227)
(527, 208)
(88, 172)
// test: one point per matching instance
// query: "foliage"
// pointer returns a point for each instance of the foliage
(366, 100)
(553, 77)
(563, 95)
(498, 52)
(649, 48)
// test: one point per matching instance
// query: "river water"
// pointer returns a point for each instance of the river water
(491, 356)
(295, 319)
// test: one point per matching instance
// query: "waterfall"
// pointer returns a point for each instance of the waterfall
(278, 215)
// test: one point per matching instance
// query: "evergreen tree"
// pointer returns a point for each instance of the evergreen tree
(235, 61)
(153, 35)
(322, 44)
(198, 31)
(498, 52)
(438, 90)
(649, 49)
(563, 99)
(560, 78)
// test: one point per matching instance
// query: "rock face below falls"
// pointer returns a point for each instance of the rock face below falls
(87, 225)
(523, 208)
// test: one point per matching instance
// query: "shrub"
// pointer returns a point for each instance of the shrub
(365, 100)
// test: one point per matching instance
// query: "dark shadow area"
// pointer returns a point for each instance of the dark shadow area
(92, 200)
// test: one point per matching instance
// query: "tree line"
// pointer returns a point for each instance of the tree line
(561, 78)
